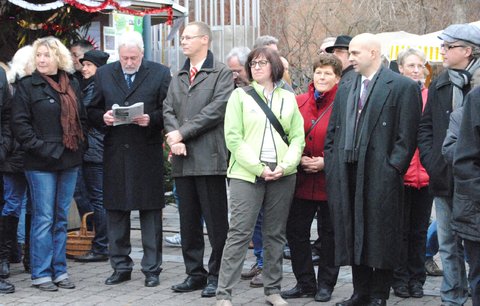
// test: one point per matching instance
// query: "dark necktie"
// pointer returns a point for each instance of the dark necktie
(363, 96)
(128, 78)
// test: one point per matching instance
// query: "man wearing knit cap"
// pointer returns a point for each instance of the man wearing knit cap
(460, 50)
(92, 167)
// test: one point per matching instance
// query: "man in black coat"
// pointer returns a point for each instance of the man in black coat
(445, 94)
(370, 141)
(133, 156)
(466, 201)
(5, 101)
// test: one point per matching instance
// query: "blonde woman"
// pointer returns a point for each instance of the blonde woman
(49, 122)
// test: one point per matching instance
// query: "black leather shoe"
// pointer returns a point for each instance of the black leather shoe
(416, 291)
(323, 295)
(402, 292)
(152, 280)
(118, 277)
(191, 283)
(297, 292)
(355, 300)
(377, 302)
(91, 257)
(211, 288)
(6, 287)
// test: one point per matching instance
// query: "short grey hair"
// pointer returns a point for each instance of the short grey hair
(131, 39)
(402, 56)
(239, 52)
(264, 41)
(475, 48)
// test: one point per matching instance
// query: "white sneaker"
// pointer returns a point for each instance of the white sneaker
(174, 241)
(276, 300)
(223, 303)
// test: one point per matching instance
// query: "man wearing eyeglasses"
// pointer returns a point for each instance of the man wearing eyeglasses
(193, 114)
(460, 50)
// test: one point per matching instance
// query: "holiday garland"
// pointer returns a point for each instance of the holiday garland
(90, 7)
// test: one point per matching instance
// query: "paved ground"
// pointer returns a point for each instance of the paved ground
(90, 289)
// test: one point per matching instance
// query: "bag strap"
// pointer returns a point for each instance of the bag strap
(270, 115)
(318, 119)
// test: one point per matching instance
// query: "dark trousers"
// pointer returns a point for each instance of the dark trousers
(81, 197)
(371, 282)
(93, 179)
(472, 250)
(118, 225)
(417, 210)
(202, 196)
(299, 223)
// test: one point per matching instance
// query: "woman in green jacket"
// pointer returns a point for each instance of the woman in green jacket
(261, 171)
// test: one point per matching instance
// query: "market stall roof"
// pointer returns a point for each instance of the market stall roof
(428, 43)
(178, 10)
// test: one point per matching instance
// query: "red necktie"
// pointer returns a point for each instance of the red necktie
(193, 72)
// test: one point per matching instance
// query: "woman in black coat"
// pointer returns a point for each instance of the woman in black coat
(48, 120)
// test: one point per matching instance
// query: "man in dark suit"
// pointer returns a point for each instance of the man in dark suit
(133, 156)
(194, 111)
(370, 141)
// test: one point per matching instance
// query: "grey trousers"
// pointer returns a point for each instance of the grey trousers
(246, 200)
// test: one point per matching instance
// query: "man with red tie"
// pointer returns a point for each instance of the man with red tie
(193, 115)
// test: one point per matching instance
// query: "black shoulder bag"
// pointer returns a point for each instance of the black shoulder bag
(270, 115)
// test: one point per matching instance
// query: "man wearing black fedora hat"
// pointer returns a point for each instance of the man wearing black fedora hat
(340, 50)
(92, 167)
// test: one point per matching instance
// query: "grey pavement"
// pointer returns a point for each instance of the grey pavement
(90, 289)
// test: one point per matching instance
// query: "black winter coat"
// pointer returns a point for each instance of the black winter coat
(431, 134)
(36, 125)
(466, 170)
(6, 139)
(368, 224)
(94, 154)
(133, 155)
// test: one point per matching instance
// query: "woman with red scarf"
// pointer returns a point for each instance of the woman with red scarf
(310, 193)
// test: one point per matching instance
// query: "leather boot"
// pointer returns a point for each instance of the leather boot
(26, 246)
(4, 250)
(15, 249)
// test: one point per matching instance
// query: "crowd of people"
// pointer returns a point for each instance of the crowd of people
(365, 150)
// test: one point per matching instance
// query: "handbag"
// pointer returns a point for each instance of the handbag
(268, 112)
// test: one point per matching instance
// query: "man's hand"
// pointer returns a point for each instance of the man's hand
(179, 149)
(174, 137)
(108, 118)
(143, 120)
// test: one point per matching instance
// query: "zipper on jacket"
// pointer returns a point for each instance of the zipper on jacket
(281, 109)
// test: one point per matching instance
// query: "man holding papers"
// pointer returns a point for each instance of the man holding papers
(133, 156)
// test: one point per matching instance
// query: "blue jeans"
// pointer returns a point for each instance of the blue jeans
(432, 240)
(257, 240)
(51, 193)
(454, 286)
(93, 180)
(15, 194)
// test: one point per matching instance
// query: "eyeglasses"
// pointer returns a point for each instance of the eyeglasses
(447, 47)
(261, 64)
(186, 37)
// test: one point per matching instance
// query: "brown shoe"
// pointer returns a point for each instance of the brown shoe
(432, 268)
(254, 270)
(257, 281)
